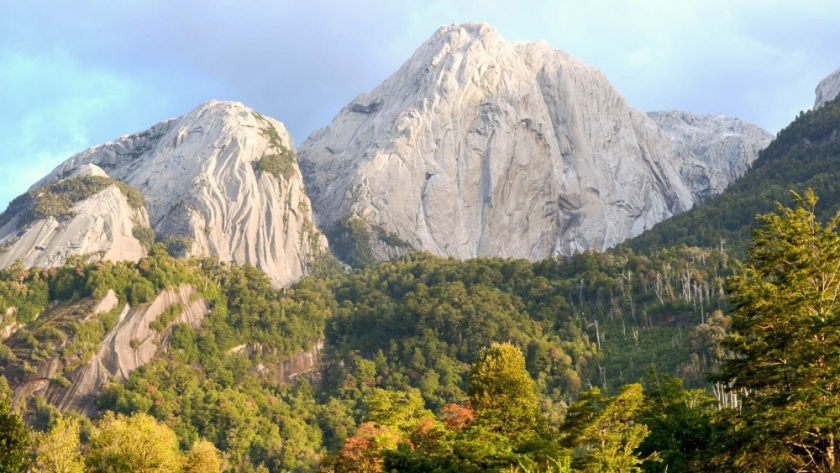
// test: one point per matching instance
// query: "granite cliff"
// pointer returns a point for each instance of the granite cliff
(828, 89)
(481, 147)
(724, 146)
(221, 180)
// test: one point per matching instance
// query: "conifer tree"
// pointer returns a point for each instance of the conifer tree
(786, 343)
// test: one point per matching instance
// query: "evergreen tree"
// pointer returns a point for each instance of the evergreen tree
(786, 342)
(603, 431)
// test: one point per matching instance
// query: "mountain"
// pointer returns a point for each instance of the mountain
(726, 145)
(805, 154)
(221, 180)
(828, 89)
(480, 147)
(87, 214)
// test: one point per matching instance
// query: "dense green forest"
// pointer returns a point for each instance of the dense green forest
(412, 325)
(439, 365)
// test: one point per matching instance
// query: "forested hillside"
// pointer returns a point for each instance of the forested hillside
(805, 154)
(416, 324)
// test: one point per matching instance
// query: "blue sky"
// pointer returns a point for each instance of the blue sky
(76, 74)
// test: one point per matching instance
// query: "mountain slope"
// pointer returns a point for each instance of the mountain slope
(728, 147)
(221, 180)
(828, 89)
(86, 214)
(805, 154)
(480, 147)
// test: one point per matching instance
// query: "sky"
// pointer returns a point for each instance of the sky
(77, 74)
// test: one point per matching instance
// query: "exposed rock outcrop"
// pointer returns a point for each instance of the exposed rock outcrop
(828, 89)
(480, 147)
(99, 227)
(129, 345)
(726, 146)
(221, 180)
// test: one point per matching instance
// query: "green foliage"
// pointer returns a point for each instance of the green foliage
(132, 444)
(162, 322)
(350, 241)
(785, 326)
(682, 426)
(178, 246)
(603, 431)
(501, 392)
(203, 457)
(145, 235)
(15, 436)
(59, 450)
(282, 164)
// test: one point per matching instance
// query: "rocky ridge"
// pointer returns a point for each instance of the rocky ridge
(102, 226)
(480, 147)
(726, 146)
(828, 89)
(130, 344)
(221, 180)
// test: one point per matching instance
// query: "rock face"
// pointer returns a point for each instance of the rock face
(128, 346)
(828, 89)
(479, 147)
(99, 227)
(221, 180)
(726, 146)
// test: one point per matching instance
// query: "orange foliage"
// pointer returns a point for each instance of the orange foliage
(456, 417)
(362, 453)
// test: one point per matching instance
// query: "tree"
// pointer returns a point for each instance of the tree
(786, 343)
(203, 457)
(501, 394)
(681, 425)
(137, 443)
(58, 451)
(399, 410)
(603, 431)
(15, 436)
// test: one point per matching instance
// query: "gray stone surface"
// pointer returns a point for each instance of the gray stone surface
(481, 147)
(828, 89)
(725, 146)
(197, 175)
(101, 228)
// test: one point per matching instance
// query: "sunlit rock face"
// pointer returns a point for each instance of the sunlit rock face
(209, 188)
(828, 89)
(481, 147)
(724, 146)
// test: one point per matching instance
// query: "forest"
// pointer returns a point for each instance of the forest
(599, 362)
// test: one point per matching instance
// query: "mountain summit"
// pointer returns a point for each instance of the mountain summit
(221, 180)
(481, 147)
(828, 89)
